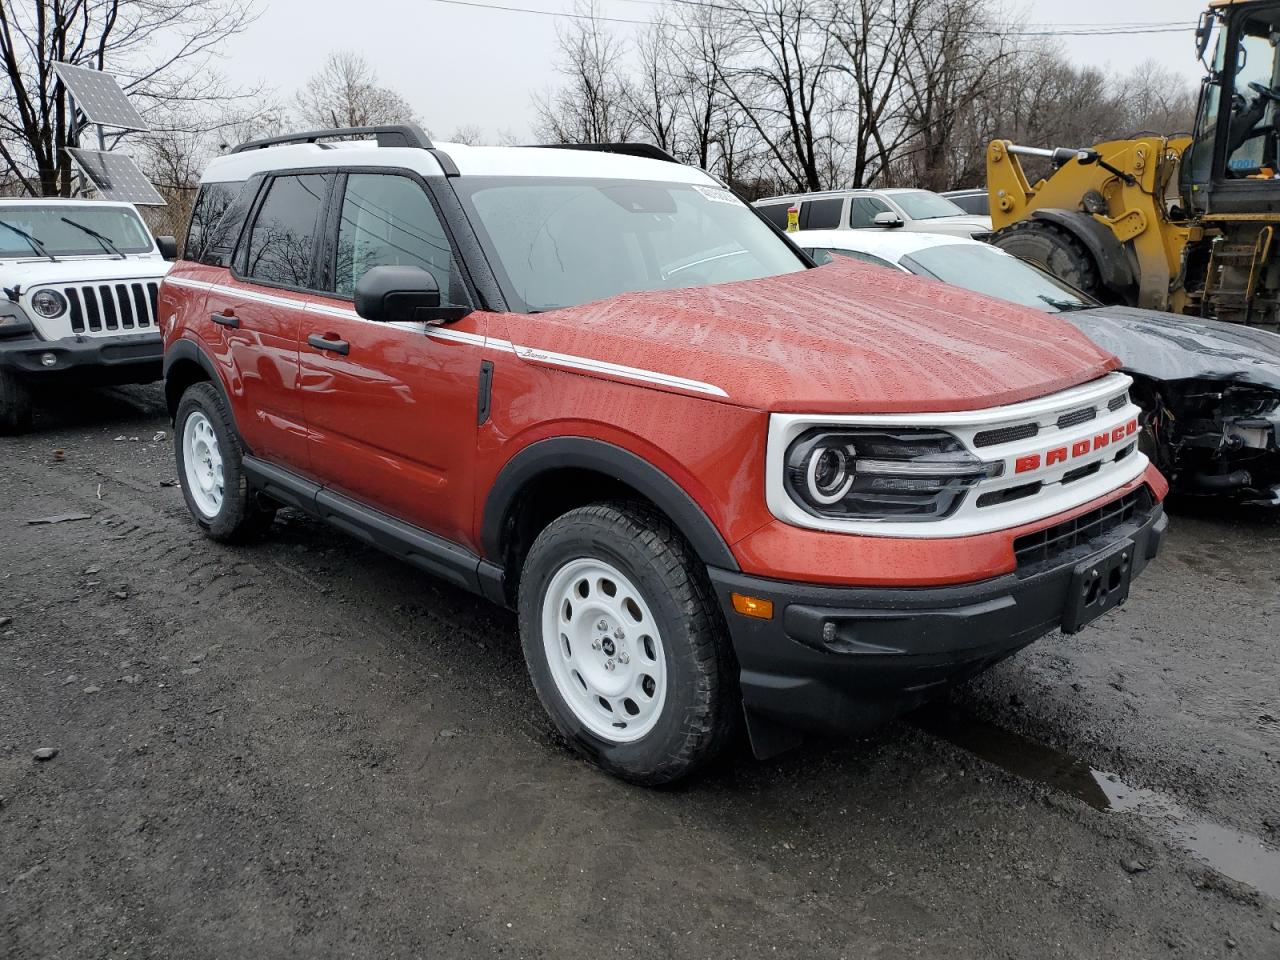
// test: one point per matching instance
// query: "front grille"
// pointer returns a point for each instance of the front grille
(1079, 473)
(1035, 548)
(1118, 401)
(992, 438)
(127, 305)
(1076, 417)
(1009, 494)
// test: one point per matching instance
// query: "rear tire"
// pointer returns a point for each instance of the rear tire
(626, 647)
(211, 469)
(15, 404)
(1058, 252)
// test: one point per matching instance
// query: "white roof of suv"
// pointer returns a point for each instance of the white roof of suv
(470, 161)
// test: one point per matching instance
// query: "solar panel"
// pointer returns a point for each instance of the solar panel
(116, 176)
(100, 98)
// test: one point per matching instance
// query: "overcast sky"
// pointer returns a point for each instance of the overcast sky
(460, 65)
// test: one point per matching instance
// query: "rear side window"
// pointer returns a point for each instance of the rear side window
(388, 220)
(978, 204)
(281, 247)
(775, 213)
(821, 214)
(211, 203)
(217, 242)
(863, 211)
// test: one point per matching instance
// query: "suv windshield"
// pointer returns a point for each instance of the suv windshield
(923, 205)
(984, 269)
(562, 242)
(61, 239)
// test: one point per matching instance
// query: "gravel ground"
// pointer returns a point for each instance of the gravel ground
(303, 748)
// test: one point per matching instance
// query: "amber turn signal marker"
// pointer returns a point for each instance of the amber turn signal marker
(753, 606)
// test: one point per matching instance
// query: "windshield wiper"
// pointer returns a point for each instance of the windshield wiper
(105, 242)
(1066, 306)
(33, 242)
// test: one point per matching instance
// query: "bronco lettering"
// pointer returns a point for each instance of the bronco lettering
(1078, 449)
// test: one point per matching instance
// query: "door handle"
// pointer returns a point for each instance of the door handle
(329, 342)
(226, 319)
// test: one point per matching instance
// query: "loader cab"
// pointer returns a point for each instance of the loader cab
(1233, 163)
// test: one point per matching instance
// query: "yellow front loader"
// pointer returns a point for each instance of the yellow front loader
(1185, 223)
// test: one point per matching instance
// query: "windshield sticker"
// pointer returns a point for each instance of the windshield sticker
(717, 194)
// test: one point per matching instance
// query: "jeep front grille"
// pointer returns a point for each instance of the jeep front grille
(125, 305)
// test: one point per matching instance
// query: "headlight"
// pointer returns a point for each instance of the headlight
(874, 474)
(48, 303)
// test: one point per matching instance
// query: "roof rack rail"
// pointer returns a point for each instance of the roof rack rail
(390, 135)
(646, 150)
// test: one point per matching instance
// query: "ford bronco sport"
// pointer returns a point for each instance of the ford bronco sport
(592, 385)
(78, 287)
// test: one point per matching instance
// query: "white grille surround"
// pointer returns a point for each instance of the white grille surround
(1063, 484)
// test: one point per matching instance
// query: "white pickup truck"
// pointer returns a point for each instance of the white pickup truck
(79, 280)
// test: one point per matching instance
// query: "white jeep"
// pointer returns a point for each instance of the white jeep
(78, 286)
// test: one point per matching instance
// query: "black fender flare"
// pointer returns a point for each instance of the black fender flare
(188, 350)
(585, 453)
(1108, 253)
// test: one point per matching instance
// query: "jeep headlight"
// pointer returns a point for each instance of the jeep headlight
(903, 474)
(48, 303)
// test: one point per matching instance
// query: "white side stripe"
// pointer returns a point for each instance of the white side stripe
(531, 354)
(617, 370)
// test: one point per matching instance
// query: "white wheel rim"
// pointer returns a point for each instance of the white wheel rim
(203, 461)
(604, 650)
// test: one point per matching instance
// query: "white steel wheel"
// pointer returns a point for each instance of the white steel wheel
(604, 650)
(203, 460)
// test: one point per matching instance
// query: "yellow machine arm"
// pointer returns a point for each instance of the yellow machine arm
(1127, 188)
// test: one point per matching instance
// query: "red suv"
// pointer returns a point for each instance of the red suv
(594, 386)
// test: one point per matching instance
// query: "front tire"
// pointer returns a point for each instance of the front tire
(626, 647)
(15, 404)
(211, 469)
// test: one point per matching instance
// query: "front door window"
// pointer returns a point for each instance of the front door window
(1251, 143)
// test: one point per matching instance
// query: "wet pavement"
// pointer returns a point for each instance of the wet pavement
(303, 748)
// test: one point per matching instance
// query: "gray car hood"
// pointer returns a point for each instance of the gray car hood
(1168, 346)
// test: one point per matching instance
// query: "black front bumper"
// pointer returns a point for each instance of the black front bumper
(847, 659)
(132, 358)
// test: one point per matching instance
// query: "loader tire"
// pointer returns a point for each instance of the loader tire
(1057, 251)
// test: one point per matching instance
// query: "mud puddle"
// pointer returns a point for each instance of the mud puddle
(1234, 854)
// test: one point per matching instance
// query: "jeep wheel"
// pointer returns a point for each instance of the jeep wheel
(210, 470)
(625, 645)
(15, 404)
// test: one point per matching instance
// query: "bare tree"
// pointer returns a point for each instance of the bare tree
(714, 124)
(653, 97)
(345, 92)
(468, 133)
(953, 52)
(783, 74)
(1157, 99)
(161, 50)
(805, 94)
(592, 105)
(875, 36)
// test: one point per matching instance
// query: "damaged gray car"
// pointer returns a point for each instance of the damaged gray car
(1210, 391)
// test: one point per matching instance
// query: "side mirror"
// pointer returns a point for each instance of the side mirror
(1204, 32)
(168, 247)
(400, 294)
(888, 219)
